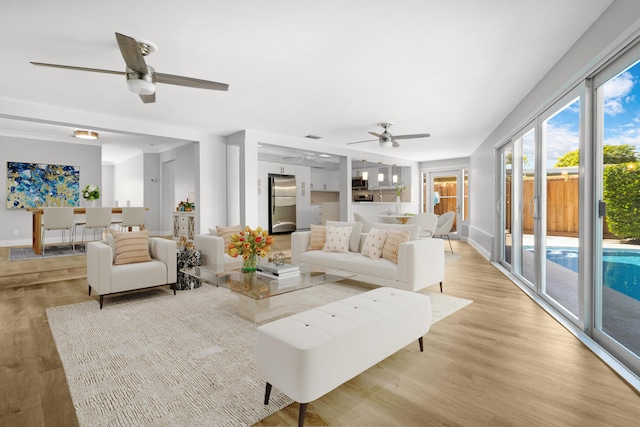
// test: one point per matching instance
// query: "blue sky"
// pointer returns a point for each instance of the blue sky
(622, 118)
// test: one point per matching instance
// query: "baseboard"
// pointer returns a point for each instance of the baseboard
(481, 250)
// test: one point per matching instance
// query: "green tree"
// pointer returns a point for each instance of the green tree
(622, 195)
(612, 155)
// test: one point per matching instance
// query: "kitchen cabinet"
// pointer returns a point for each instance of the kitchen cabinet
(303, 197)
(281, 168)
(325, 179)
(315, 214)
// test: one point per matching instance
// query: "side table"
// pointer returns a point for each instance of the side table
(188, 258)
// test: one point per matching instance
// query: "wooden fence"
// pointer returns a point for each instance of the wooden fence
(562, 204)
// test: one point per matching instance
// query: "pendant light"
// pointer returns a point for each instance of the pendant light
(380, 174)
(365, 173)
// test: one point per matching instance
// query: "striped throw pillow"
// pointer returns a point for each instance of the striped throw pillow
(131, 247)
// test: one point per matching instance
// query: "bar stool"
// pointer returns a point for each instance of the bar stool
(132, 217)
(58, 219)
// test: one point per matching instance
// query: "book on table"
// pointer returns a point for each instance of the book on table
(279, 276)
(270, 267)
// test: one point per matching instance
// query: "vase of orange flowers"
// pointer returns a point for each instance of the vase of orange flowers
(250, 244)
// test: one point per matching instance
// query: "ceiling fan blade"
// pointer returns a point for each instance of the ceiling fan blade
(189, 82)
(148, 99)
(417, 135)
(376, 134)
(71, 67)
(131, 53)
(360, 142)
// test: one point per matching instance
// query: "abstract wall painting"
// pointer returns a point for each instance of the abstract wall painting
(31, 185)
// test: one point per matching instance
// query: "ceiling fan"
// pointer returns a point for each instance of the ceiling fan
(142, 78)
(388, 140)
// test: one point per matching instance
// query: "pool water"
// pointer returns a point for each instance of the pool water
(620, 267)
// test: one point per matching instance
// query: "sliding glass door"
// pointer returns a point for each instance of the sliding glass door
(617, 257)
(539, 205)
(560, 205)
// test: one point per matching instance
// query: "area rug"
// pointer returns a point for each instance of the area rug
(152, 358)
(21, 254)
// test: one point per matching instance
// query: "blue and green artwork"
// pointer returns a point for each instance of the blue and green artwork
(31, 185)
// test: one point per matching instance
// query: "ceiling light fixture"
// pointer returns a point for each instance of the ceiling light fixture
(142, 84)
(365, 173)
(85, 134)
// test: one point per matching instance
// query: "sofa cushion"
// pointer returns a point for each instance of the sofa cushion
(337, 239)
(318, 237)
(394, 238)
(131, 247)
(414, 229)
(354, 242)
(327, 259)
(374, 243)
(366, 266)
(226, 232)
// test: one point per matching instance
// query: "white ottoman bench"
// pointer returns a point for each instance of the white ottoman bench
(309, 354)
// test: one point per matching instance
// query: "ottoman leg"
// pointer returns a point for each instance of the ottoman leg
(267, 393)
(303, 412)
(420, 341)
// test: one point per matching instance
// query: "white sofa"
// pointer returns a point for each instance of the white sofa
(420, 262)
(107, 278)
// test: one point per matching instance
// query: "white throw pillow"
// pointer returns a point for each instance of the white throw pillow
(354, 241)
(414, 229)
(374, 243)
(337, 239)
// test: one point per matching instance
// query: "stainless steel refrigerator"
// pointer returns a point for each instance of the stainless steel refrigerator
(282, 203)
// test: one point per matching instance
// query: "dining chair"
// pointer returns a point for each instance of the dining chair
(445, 223)
(97, 219)
(366, 225)
(132, 217)
(58, 219)
(427, 222)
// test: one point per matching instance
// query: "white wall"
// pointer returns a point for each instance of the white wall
(12, 149)
(108, 186)
(129, 181)
(152, 194)
(211, 203)
(604, 38)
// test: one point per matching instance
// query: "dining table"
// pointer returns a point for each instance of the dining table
(402, 218)
(36, 232)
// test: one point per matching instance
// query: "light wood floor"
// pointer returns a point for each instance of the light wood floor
(499, 361)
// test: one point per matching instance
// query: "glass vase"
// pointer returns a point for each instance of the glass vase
(250, 263)
(90, 203)
(398, 206)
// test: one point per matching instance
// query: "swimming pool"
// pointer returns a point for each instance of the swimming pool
(620, 267)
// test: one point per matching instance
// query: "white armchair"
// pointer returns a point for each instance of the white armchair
(214, 254)
(107, 278)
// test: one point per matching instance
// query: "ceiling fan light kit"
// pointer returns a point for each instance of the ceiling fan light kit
(85, 134)
(142, 84)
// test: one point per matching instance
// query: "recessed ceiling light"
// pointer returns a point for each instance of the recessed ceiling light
(324, 155)
(313, 136)
(85, 134)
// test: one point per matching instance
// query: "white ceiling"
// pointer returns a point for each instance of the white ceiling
(330, 68)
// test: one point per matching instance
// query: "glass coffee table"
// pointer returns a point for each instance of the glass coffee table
(262, 298)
